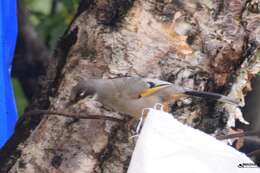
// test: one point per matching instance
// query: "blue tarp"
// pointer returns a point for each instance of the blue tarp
(8, 32)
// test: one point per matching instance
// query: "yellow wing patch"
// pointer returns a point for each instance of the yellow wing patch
(151, 91)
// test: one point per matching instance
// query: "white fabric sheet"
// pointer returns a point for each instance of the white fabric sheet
(167, 146)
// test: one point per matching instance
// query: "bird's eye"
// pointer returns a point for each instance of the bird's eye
(151, 84)
(81, 95)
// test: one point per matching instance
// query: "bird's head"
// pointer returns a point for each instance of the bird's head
(81, 90)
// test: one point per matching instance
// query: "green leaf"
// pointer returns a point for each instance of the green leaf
(21, 101)
(40, 6)
(70, 5)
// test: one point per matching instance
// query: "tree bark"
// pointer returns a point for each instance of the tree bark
(203, 45)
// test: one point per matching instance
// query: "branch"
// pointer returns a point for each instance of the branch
(72, 115)
(238, 135)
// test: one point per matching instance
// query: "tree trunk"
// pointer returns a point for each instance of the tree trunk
(203, 45)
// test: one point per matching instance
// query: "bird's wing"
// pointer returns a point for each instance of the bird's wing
(176, 90)
(130, 87)
(136, 87)
(143, 87)
(156, 86)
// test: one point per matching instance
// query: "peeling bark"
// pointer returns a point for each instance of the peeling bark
(203, 45)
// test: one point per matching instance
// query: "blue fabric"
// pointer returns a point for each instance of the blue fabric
(8, 33)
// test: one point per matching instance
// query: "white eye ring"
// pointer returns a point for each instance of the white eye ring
(82, 94)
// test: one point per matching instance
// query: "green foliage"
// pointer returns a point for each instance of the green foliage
(51, 26)
(21, 101)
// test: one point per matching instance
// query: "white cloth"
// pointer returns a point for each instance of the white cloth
(167, 146)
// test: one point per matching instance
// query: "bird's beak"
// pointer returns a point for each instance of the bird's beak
(153, 90)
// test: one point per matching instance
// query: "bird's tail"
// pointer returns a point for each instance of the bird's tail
(211, 95)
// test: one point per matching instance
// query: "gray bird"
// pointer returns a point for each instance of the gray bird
(131, 95)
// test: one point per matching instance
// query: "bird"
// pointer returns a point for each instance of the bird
(131, 95)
